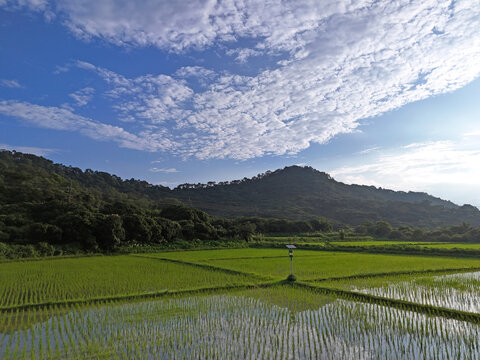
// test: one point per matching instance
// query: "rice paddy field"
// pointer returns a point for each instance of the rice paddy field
(234, 304)
(438, 245)
(310, 265)
(459, 291)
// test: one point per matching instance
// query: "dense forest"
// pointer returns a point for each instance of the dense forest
(295, 193)
(48, 209)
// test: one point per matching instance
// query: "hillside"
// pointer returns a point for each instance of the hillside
(291, 193)
(303, 192)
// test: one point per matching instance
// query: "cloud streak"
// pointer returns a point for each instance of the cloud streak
(57, 118)
(10, 83)
(164, 170)
(453, 165)
(29, 149)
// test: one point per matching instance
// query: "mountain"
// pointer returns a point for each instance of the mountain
(292, 193)
(303, 193)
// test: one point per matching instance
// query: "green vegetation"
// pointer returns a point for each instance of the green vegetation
(334, 264)
(103, 276)
(237, 300)
(453, 291)
(208, 306)
(380, 243)
(232, 254)
(245, 325)
(48, 209)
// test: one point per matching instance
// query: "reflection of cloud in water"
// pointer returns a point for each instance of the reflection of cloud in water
(249, 324)
(454, 291)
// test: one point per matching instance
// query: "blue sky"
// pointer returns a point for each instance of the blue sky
(381, 93)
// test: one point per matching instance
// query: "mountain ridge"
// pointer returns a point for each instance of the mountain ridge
(293, 192)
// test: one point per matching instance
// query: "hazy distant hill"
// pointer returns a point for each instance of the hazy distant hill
(293, 192)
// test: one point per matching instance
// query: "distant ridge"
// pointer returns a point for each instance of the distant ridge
(293, 192)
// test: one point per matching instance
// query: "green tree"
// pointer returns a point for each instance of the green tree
(382, 228)
(109, 231)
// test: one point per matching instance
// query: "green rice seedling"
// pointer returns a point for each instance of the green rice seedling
(453, 291)
(340, 264)
(249, 325)
(24, 283)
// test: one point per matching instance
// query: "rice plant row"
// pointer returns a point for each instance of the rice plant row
(83, 278)
(455, 291)
(246, 325)
(340, 264)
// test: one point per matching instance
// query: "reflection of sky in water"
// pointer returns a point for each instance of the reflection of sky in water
(221, 326)
(460, 276)
(454, 291)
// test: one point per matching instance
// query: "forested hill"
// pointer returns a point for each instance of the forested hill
(293, 193)
(303, 192)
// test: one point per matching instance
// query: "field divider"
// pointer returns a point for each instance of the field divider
(429, 310)
(412, 250)
(208, 267)
(396, 273)
(261, 257)
(136, 296)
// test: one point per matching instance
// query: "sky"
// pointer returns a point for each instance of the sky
(382, 93)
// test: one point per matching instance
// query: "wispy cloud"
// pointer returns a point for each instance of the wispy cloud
(369, 150)
(340, 62)
(164, 170)
(83, 96)
(57, 118)
(29, 149)
(10, 83)
(472, 134)
(242, 55)
(419, 166)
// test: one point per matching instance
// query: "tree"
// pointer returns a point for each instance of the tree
(322, 225)
(109, 231)
(137, 229)
(382, 228)
(78, 227)
(246, 231)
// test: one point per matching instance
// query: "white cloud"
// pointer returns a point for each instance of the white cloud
(42, 6)
(28, 149)
(342, 61)
(164, 170)
(370, 150)
(34, 5)
(195, 71)
(472, 134)
(10, 83)
(427, 166)
(64, 119)
(243, 54)
(83, 96)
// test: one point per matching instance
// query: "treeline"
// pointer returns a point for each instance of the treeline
(56, 228)
(51, 209)
(294, 193)
(45, 212)
(454, 233)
